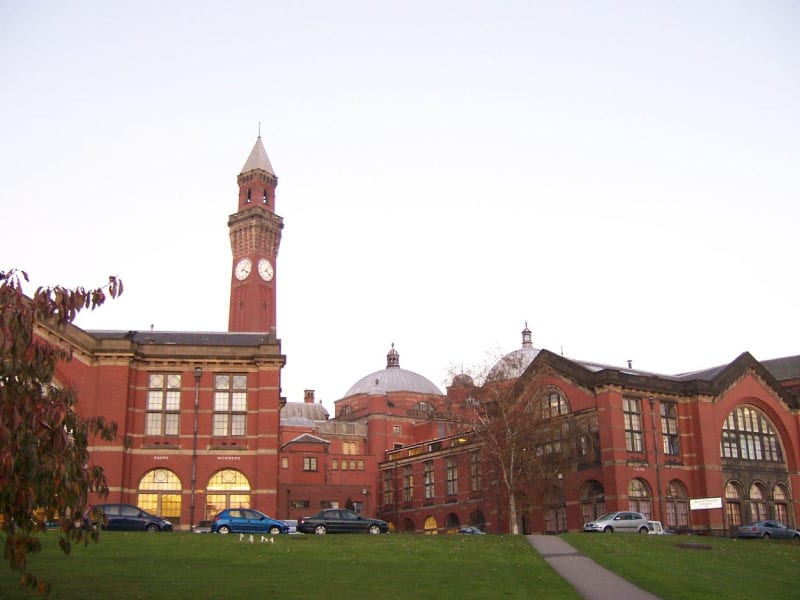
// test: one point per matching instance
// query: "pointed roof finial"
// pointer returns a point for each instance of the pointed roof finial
(393, 358)
(526, 337)
(259, 129)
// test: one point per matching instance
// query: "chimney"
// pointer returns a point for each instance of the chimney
(308, 396)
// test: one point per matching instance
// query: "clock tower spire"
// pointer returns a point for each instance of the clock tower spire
(255, 232)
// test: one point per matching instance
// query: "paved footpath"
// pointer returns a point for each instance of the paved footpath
(589, 579)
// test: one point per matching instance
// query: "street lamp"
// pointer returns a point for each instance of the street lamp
(198, 372)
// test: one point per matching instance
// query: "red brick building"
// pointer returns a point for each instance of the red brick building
(203, 425)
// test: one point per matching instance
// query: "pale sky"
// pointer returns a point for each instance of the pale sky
(624, 176)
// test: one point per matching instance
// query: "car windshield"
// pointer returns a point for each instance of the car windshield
(606, 517)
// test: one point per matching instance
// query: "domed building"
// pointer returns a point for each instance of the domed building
(513, 364)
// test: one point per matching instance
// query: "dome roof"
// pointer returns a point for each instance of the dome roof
(513, 364)
(393, 379)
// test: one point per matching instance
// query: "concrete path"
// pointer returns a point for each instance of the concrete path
(589, 579)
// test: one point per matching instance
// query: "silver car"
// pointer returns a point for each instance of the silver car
(622, 522)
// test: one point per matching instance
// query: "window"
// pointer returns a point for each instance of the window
(309, 463)
(388, 488)
(160, 494)
(669, 428)
(334, 464)
(285, 462)
(326, 503)
(396, 429)
(639, 498)
(349, 447)
(554, 404)
(677, 505)
(163, 403)
(475, 472)
(748, 435)
(230, 405)
(634, 438)
(344, 465)
(227, 489)
(428, 479)
(781, 498)
(408, 484)
(733, 504)
(300, 504)
(593, 500)
(360, 465)
(758, 503)
(451, 472)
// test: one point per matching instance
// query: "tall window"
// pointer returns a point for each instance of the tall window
(475, 472)
(309, 463)
(748, 435)
(639, 497)
(163, 403)
(781, 498)
(408, 484)
(758, 503)
(388, 488)
(733, 503)
(451, 472)
(227, 489)
(669, 428)
(677, 505)
(634, 438)
(428, 479)
(160, 494)
(230, 405)
(554, 404)
(593, 500)
(349, 447)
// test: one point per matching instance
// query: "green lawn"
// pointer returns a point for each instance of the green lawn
(198, 566)
(732, 569)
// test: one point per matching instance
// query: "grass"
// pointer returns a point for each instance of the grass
(733, 569)
(183, 565)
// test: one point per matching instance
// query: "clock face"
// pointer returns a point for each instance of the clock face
(265, 269)
(242, 269)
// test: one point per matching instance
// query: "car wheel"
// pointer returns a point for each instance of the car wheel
(608, 529)
(224, 530)
(274, 530)
(642, 529)
(320, 530)
(374, 529)
(152, 528)
(765, 536)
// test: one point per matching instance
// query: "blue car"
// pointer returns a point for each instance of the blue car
(246, 520)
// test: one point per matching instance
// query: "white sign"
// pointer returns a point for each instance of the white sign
(705, 503)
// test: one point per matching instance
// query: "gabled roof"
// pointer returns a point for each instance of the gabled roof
(709, 381)
(306, 438)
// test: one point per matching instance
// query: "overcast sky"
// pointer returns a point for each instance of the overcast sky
(624, 176)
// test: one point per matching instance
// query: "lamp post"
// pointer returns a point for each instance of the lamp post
(198, 372)
(655, 454)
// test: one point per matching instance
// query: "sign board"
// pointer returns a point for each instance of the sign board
(705, 503)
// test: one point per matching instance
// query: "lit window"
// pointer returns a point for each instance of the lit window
(230, 405)
(163, 403)
(285, 462)
(309, 463)
(396, 429)
(334, 464)
(388, 488)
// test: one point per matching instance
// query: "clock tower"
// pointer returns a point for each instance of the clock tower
(255, 232)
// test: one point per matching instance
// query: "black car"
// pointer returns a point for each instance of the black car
(123, 517)
(339, 520)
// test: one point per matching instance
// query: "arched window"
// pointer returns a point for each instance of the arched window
(554, 403)
(781, 498)
(160, 494)
(677, 505)
(748, 434)
(759, 510)
(408, 526)
(431, 526)
(733, 503)
(477, 519)
(639, 497)
(452, 523)
(227, 489)
(593, 500)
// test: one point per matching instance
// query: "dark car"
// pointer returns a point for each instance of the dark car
(246, 520)
(123, 517)
(766, 530)
(472, 530)
(340, 520)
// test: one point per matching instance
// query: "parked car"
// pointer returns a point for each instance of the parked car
(472, 530)
(766, 530)
(123, 517)
(340, 520)
(656, 528)
(622, 522)
(246, 520)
